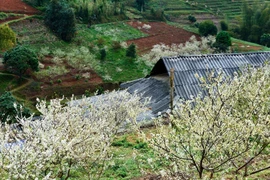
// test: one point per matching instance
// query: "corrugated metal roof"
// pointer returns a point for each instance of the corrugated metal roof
(152, 88)
(185, 68)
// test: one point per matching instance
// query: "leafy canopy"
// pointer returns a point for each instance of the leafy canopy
(19, 59)
(207, 28)
(223, 41)
(131, 51)
(7, 37)
(60, 18)
(8, 111)
(265, 39)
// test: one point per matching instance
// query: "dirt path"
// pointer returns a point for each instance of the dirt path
(29, 81)
(12, 19)
(17, 6)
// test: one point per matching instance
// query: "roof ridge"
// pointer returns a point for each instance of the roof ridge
(218, 54)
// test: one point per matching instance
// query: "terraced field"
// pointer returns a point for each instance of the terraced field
(229, 8)
(178, 10)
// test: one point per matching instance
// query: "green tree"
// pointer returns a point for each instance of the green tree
(224, 26)
(103, 54)
(141, 5)
(255, 34)
(255, 22)
(131, 51)
(223, 41)
(207, 28)
(19, 59)
(265, 39)
(7, 37)
(116, 4)
(192, 19)
(8, 111)
(60, 18)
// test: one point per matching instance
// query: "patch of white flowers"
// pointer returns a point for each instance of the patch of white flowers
(44, 51)
(52, 71)
(146, 26)
(226, 131)
(193, 46)
(65, 137)
(118, 69)
(86, 75)
(107, 77)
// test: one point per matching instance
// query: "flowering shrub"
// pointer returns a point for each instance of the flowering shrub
(107, 77)
(66, 137)
(146, 26)
(52, 72)
(225, 132)
(193, 46)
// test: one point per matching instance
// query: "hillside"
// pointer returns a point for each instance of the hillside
(216, 10)
(77, 67)
(96, 60)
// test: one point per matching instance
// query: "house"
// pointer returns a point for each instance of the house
(157, 84)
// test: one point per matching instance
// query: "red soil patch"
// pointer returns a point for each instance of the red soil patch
(17, 6)
(70, 83)
(159, 32)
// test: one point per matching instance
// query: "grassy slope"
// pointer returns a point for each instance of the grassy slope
(94, 39)
(125, 166)
(6, 81)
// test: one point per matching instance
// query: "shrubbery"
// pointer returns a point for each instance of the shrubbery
(156, 14)
(131, 51)
(223, 41)
(191, 47)
(224, 26)
(265, 40)
(192, 19)
(207, 28)
(7, 37)
(11, 110)
(19, 59)
(60, 18)
(103, 54)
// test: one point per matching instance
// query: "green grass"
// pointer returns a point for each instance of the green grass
(129, 156)
(190, 28)
(7, 81)
(115, 68)
(117, 31)
(246, 43)
(4, 16)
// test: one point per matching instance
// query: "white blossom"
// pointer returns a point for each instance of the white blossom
(222, 132)
(78, 134)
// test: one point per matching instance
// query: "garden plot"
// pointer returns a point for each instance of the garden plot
(159, 32)
(17, 6)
